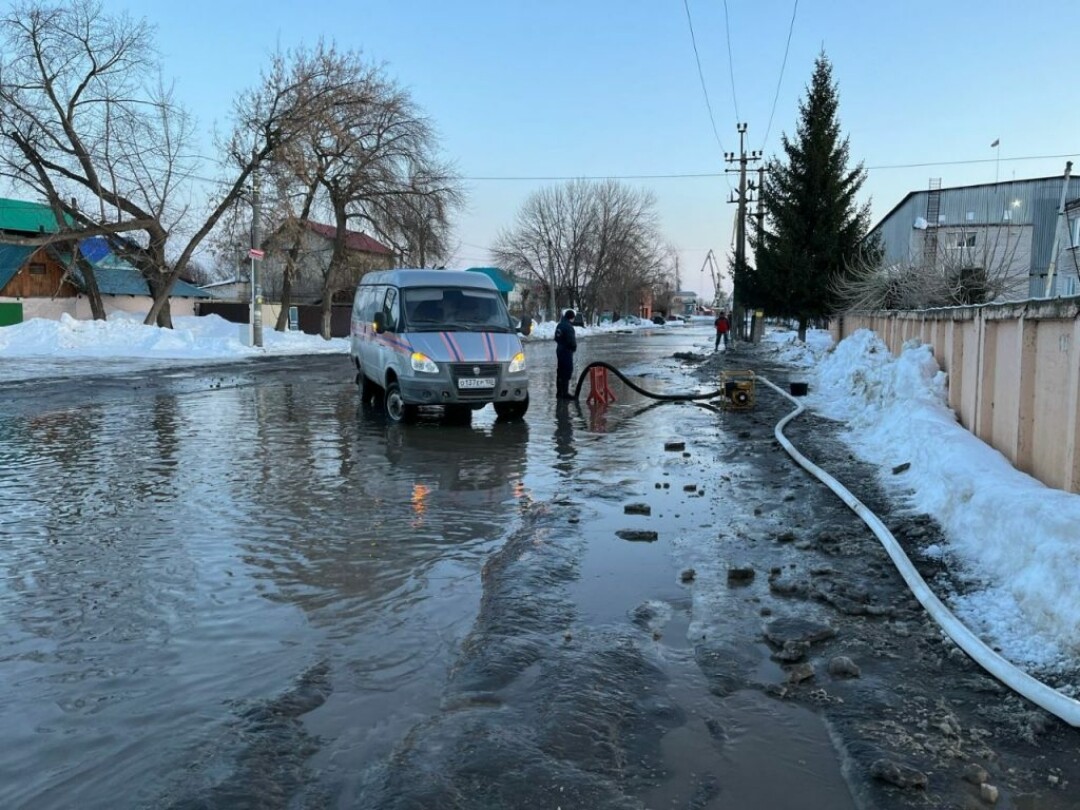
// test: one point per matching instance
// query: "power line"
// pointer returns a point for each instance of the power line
(707, 175)
(731, 63)
(701, 75)
(783, 64)
(701, 175)
(966, 162)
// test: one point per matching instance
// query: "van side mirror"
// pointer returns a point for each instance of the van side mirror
(379, 323)
(525, 327)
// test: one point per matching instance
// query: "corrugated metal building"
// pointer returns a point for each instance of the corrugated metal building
(1006, 223)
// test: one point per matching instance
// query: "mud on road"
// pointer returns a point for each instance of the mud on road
(918, 722)
(635, 706)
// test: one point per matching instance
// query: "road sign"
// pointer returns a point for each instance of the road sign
(255, 253)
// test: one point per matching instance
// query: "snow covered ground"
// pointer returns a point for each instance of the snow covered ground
(1015, 540)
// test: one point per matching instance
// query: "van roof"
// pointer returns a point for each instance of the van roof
(429, 278)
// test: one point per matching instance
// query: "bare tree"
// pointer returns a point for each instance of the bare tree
(368, 159)
(79, 121)
(957, 266)
(585, 244)
(58, 64)
(417, 225)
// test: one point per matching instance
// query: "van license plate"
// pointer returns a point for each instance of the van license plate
(476, 382)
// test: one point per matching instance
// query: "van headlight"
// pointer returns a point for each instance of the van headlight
(517, 365)
(421, 362)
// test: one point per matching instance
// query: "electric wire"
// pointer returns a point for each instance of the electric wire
(780, 79)
(704, 175)
(701, 76)
(731, 63)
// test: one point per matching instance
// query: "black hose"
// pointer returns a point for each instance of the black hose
(639, 389)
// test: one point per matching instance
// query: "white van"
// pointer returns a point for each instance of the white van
(437, 337)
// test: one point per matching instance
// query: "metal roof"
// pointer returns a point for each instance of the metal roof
(354, 240)
(114, 275)
(27, 217)
(503, 283)
(117, 280)
(12, 257)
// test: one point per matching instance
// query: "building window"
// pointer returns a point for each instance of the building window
(964, 240)
(36, 269)
(1075, 231)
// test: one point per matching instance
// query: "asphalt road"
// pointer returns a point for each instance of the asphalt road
(233, 586)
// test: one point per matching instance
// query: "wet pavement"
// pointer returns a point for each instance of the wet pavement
(235, 587)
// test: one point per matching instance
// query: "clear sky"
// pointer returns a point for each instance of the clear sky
(565, 88)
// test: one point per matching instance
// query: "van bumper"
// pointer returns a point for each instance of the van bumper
(441, 392)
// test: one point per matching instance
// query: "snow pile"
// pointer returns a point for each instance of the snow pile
(790, 350)
(1013, 538)
(208, 337)
(545, 330)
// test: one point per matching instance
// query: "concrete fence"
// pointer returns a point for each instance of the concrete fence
(1014, 375)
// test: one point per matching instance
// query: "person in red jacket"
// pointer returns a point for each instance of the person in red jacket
(723, 325)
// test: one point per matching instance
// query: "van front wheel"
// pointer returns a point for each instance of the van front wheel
(396, 408)
(511, 410)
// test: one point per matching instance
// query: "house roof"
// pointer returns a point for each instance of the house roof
(354, 240)
(225, 283)
(27, 217)
(910, 194)
(503, 282)
(116, 276)
(12, 257)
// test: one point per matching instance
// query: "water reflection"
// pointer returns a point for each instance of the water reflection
(173, 563)
(564, 437)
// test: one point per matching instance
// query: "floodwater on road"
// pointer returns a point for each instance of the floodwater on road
(234, 586)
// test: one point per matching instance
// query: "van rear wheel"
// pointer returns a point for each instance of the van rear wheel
(396, 408)
(512, 410)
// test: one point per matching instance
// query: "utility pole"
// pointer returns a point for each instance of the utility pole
(1057, 232)
(551, 282)
(255, 253)
(739, 314)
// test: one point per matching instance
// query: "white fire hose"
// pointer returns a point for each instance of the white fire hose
(1062, 706)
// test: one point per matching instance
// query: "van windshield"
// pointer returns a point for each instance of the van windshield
(442, 309)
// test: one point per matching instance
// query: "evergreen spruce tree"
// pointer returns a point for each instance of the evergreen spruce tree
(813, 226)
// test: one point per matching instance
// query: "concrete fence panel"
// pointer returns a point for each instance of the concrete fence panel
(1013, 375)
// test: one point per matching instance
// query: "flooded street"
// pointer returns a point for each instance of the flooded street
(234, 587)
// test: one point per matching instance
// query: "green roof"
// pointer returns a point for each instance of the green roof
(503, 282)
(27, 217)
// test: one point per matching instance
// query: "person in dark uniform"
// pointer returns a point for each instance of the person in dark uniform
(565, 346)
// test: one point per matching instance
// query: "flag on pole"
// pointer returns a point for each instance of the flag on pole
(995, 143)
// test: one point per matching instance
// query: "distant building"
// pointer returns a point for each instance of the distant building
(316, 248)
(43, 282)
(685, 302)
(231, 289)
(1006, 227)
(1067, 271)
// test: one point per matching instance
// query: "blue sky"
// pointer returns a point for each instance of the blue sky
(611, 87)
